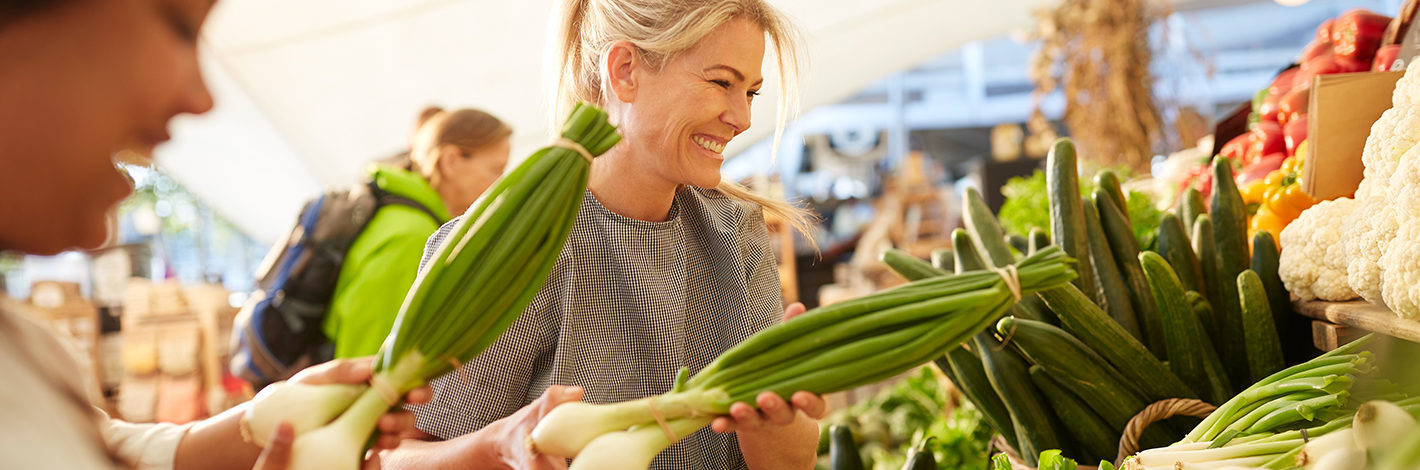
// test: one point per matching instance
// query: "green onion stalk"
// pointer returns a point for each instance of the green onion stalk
(490, 267)
(825, 350)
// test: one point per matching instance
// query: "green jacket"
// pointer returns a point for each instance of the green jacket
(381, 264)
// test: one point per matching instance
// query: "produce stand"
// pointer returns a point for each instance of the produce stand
(1357, 314)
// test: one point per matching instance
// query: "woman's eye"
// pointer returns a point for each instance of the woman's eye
(179, 24)
(722, 83)
(753, 93)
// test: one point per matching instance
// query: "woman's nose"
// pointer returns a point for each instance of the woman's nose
(737, 116)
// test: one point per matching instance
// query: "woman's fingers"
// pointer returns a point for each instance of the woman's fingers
(795, 309)
(723, 424)
(419, 396)
(397, 423)
(277, 454)
(773, 409)
(810, 403)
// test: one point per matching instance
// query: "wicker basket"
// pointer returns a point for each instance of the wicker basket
(1129, 442)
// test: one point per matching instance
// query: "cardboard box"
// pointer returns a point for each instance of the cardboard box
(1343, 108)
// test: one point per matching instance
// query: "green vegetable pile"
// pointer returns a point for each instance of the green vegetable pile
(887, 426)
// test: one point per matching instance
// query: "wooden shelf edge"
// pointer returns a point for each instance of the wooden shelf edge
(1359, 314)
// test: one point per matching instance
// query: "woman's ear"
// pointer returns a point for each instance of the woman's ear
(450, 161)
(621, 61)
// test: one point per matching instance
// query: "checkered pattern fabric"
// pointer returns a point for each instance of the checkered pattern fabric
(627, 305)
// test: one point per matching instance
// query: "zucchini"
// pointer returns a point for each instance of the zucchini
(1096, 439)
(909, 267)
(1264, 349)
(1038, 240)
(944, 259)
(1089, 324)
(1293, 330)
(1109, 182)
(1175, 246)
(1067, 218)
(919, 458)
(971, 379)
(1019, 243)
(1126, 255)
(1082, 372)
(1111, 294)
(986, 231)
(1190, 206)
(1194, 360)
(1010, 377)
(1208, 264)
(1229, 214)
(842, 451)
(966, 255)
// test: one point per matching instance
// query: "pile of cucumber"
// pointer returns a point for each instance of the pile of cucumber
(1069, 367)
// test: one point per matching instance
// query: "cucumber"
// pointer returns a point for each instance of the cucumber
(842, 451)
(1067, 218)
(1229, 214)
(971, 379)
(1038, 240)
(1010, 377)
(986, 231)
(909, 267)
(1190, 206)
(1109, 182)
(1176, 247)
(1126, 255)
(1111, 294)
(1082, 372)
(943, 259)
(1264, 349)
(966, 255)
(1194, 360)
(1293, 330)
(1208, 262)
(1019, 243)
(1096, 439)
(1089, 324)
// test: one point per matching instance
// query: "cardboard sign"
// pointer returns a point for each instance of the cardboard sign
(1343, 108)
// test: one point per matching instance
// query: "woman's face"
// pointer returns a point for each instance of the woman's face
(472, 172)
(681, 117)
(78, 83)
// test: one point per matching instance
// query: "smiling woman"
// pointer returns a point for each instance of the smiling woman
(667, 266)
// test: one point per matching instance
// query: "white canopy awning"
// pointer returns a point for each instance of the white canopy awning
(309, 92)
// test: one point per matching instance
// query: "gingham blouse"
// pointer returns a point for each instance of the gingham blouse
(627, 305)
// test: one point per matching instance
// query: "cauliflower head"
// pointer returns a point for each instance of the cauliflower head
(1370, 228)
(1401, 276)
(1313, 262)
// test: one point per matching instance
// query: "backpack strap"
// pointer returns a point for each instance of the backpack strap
(386, 198)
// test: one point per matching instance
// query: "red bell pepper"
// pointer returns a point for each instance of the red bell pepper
(1385, 57)
(1266, 139)
(1283, 83)
(1259, 169)
(1316, 49)
(1357, 34)
(1293, 105)
(1295, 133)
(1235, 148)
(1323, 32)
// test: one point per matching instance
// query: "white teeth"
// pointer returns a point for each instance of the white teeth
(708, 145)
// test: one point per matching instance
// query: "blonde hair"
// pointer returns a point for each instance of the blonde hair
(584, 31)
(467, 129)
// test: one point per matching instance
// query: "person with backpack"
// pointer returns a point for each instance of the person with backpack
(333, 287)
(79, 82)
(456, 156)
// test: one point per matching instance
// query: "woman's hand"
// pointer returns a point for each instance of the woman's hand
(395, 425)
(504, 443)
(773, 413)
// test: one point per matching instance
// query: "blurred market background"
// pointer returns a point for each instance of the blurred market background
(906, 104)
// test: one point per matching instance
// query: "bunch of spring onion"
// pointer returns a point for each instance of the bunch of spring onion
(478, 282)
(1280, 421)
(825, 350)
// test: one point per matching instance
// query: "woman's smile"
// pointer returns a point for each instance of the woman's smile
(709, 146)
